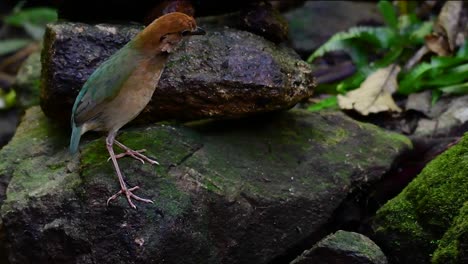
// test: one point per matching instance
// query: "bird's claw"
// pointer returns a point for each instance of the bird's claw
(136, 154)
(129, 195)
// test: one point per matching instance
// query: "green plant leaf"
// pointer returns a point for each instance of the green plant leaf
(378, 37)
(411, 82)
(440, 64)
(389, 58)
(407, 22)
(416, 36)
(351, 83)
(436, 94)
(327, 103)
(11, 45)
(35, 16)
(461, 88)
(7, 100)
(451, 76)
(446, 62)
(389, 14)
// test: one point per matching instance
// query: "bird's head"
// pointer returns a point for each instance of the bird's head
(164, 33)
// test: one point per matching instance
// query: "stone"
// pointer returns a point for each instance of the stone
(261, 18)
(27, 85)
(316, 21)
(9, 119)
(448, 116)
(228, 191)
(225, 74)
(343, 247)
(428, 221)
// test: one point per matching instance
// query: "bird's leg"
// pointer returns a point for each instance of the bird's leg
(123, 186)
(136, 154)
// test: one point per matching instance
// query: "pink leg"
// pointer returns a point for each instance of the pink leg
(136, 154)
(123, 186)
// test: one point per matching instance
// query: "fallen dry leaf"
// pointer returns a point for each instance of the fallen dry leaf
(438, 44)
(443, 40)
(375, 93)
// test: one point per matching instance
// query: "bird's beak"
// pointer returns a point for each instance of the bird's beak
(198, 31)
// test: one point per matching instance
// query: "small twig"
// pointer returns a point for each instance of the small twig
(416, 58)
(335, 73)
(6, 77)
(22, 53)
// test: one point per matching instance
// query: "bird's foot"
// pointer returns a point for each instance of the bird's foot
(136, 154)
(128, 193)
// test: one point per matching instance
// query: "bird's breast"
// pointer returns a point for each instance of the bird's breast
(135, 94)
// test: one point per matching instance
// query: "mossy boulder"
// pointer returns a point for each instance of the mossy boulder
(27, 85)
(226, 73)
(238, 191)
(343, 247)
(428, 221)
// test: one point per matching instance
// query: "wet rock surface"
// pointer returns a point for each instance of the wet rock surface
(345, 248)
(243, 191)
(226, 73)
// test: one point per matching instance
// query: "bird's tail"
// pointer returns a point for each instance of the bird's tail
(75, 138)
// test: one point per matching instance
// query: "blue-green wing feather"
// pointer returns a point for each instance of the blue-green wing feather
(103, 85)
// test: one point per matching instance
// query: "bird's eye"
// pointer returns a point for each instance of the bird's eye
(162, 37)
(185, 33)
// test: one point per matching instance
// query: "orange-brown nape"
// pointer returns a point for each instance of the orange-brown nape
(122, 86)
(164, 32)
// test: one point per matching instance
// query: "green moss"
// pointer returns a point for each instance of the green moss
(428, 207)
(41, 167)
(440, 190)
(399, 216)
(244, 161)
(163, 143)
(448, 250)
(171, 200)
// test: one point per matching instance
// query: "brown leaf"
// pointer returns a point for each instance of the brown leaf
(375, 93)
(443, 39)
(438, 44)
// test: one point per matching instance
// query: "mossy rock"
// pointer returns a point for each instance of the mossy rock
(427, 222)
(27, 81)
(343, 247)
(232, 191)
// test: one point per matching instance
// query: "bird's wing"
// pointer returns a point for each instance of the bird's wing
(104, 84)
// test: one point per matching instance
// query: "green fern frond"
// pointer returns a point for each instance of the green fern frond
(379, 37)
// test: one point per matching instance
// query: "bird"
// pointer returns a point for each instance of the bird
(120, 88)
